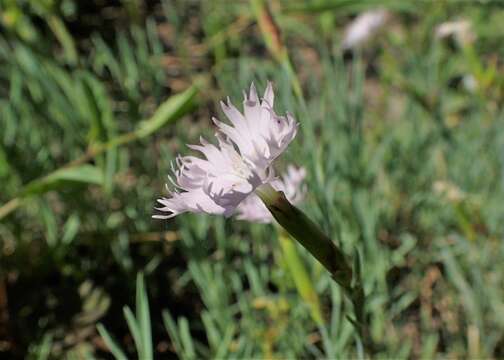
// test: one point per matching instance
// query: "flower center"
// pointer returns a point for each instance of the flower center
(241, 169)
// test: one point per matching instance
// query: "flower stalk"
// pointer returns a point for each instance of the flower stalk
(309, 235)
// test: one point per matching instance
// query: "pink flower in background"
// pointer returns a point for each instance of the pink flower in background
(363, 28)
(253, 209)
(460, 30)
(237, 165)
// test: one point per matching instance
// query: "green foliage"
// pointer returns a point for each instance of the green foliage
(139, 325)
(402, 142)
(84, 174)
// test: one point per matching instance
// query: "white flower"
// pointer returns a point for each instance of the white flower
(253, 209)
(235, 167)
(260, 134)
(363, 27)
(470, 83)
(449, 191)
(461, 30)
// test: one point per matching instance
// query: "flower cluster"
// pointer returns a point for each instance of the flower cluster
(239, 163)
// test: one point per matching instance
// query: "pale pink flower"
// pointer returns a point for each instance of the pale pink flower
(253, 209)
(460, 30)
(237, 165)
(364, 27)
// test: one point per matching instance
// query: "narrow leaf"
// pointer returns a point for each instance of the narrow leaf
(87, 174)
(171, 110)
(134, 329)
(143, 317)
(111, 343)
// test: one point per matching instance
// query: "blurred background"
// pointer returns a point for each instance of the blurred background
(401, 135)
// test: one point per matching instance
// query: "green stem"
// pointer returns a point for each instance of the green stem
(309, 235)
(9, 207)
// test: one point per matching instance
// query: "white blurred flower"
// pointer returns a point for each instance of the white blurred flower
(460, 30)
(449, 191)
(470, 83)
(253, 209)
(235, 167)
(363, 27)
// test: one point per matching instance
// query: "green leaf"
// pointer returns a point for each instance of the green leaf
(110, 170)
(299, 274)
(134, 329)
(128, 64)
(171, 328)
(44, 349)
(172, 109)
(186, 338)
(143, 317)
(224, 346)
(60, 31)
(50, 223)
(4, 163)
(86, 174)
(344, 7)
(96, 107)
(104, 58)
(70, 229)
(111, 343)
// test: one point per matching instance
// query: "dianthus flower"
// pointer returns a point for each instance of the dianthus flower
(237, 165)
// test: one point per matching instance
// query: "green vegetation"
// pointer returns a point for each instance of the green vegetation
(402, 140)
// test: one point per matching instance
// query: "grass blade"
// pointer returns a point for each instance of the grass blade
(111, 343)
